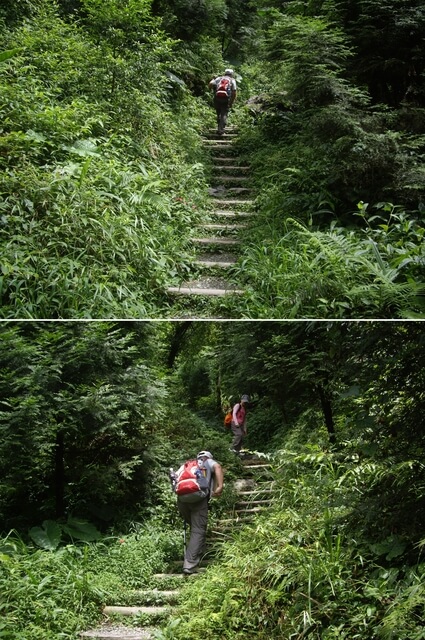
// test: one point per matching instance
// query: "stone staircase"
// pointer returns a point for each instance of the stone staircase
(151, 608)
(218, 242)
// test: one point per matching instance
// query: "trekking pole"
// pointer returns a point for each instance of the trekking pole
(184, 537)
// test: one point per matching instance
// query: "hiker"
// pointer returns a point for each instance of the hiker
(225, 91)
(238, 425)
(195, 513)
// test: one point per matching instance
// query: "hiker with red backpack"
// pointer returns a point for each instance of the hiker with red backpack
(238, 425)
(225, 90)
(195, 482)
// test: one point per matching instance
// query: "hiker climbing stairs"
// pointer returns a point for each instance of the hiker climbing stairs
(154, 606)
(218, 242)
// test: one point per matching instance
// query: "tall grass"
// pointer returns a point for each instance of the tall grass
(308, 568)
(46, 595)
(334, 273)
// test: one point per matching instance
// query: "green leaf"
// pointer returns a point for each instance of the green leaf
(391, 547)
(81, 530)
(48, 536)
(6, 55)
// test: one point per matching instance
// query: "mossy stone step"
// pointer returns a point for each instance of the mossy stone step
(215, 264)
(226, 164)
(218, 142)
(250, 503)
(118, 632)
(222, 227)
(214, 240)
(250, 486)
(203, 291)
(230, 179)
(153, 610)
(248, 510)
(225, 213)
(157, 595)
(234, 202)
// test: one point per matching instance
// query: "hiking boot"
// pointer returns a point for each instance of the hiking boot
(189, 572)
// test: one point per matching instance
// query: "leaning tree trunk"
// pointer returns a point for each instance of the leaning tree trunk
(325, 401)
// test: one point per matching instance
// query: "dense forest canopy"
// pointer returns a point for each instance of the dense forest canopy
(103, 109)
(92, 415)
(91, 410)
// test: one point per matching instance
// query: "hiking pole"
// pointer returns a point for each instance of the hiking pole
(184, 537)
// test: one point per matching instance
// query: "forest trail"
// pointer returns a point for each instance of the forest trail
(219, 238)
(151, 608)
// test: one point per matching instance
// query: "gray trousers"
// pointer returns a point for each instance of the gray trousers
(196, 516)
(238, 436)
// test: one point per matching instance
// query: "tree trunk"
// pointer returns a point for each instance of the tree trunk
(325, 401)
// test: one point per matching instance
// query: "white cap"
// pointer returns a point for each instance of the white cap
(228, 72)
(204, 454)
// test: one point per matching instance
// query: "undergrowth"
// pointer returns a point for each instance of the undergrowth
(314, 566)
(46, 595)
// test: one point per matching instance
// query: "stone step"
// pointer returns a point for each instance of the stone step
(244, 486)
(119, 632)
(134, 611)
(230, 128)
(223, 148)
(223, 136)
(230, 179)
(222, 227)
(234, 202)
(224, 242)
(225, 213)
(202, 291)
(167, 576)
(225, 165)
(219, 143)
(218, 256)
(237, 191)
(250, 464)
(224, 526)
(212, 264)
(248, 510)
(225, 158)
(266, 491)
(249, 503)
(167, 595)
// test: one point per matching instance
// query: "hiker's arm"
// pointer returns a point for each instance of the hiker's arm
(211, 83)
(233, 97)
(218, 481)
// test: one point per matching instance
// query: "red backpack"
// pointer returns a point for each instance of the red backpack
(224, 87)
(191, 482)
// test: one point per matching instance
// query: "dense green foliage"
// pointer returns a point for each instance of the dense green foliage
(339, 123)
(101, 181)
(309, 567)
(54, 594)
(104, 177)
(101, 410)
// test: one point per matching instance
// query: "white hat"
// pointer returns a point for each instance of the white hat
(204, 454)
(228, 72)
(245, 398)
